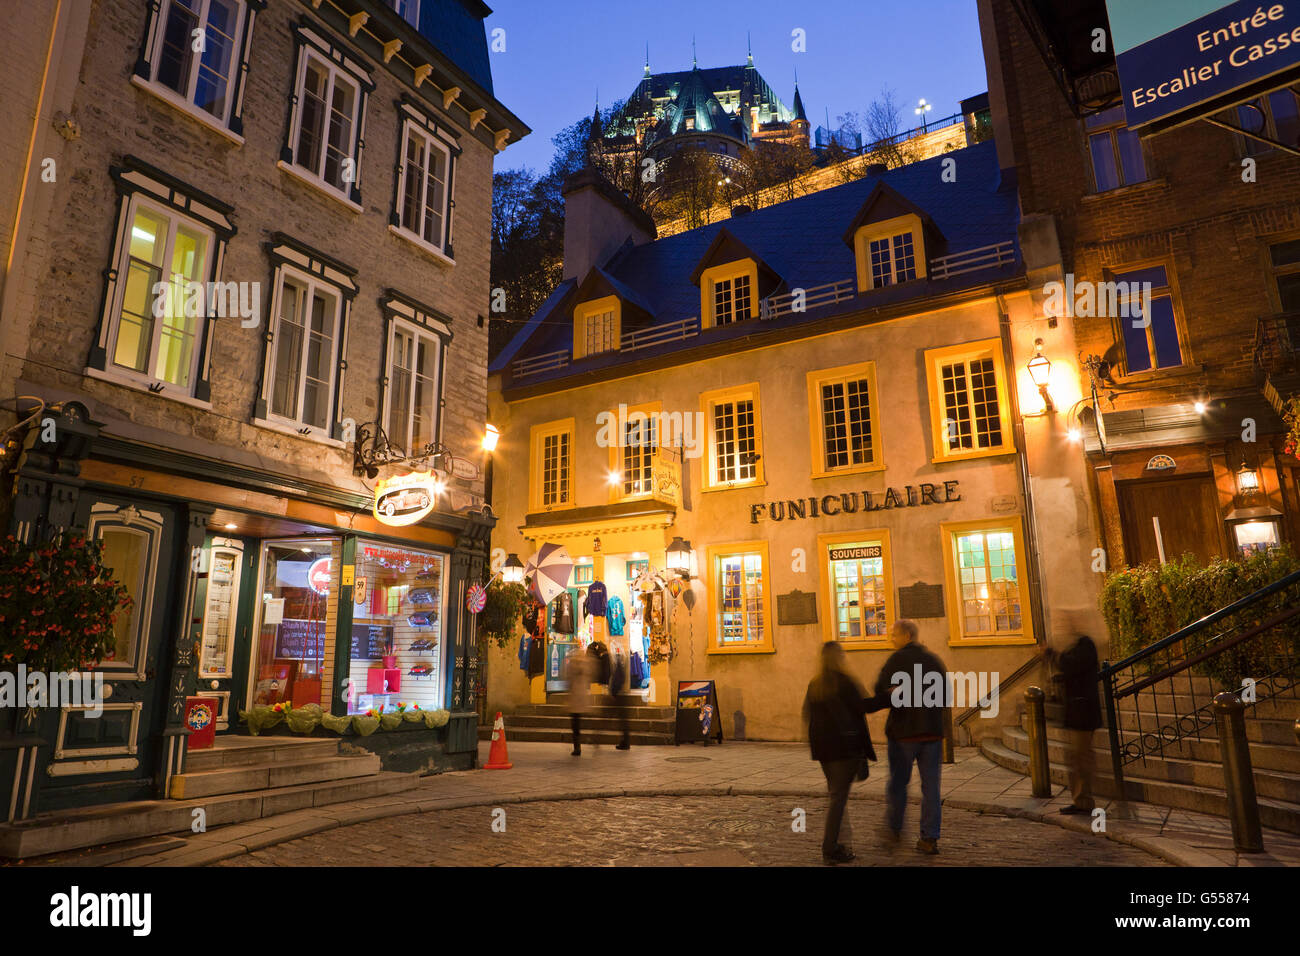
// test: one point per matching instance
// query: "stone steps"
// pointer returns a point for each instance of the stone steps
(1262, 756)
(1276, 814)
(233, 750)
(113, 823)
(1279, 731)
(1274, 708)
(240, 779)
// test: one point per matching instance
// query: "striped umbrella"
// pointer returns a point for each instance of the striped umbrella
(550, 568)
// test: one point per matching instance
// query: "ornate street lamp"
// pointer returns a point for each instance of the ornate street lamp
(1040, 370)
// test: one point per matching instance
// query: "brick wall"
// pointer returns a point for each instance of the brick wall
(1196, 212)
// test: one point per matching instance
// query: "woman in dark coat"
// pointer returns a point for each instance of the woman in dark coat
(835, 709)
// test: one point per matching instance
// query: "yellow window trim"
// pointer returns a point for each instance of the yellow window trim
(879, 230)
(938, 434)
(824, 542)
(728, 270)
(816, 425)
(585, 310)
(717, 396)
(952, 593)
(537, 435)
(616, 451)
(716, 551)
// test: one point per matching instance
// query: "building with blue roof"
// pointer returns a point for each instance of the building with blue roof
(806, 422)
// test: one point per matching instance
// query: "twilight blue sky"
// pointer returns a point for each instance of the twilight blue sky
(558, 52)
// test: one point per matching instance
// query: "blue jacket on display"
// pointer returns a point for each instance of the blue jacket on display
(614, 616)
(596, 599)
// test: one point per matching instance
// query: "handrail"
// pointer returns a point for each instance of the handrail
(1016, 674)
(1212, 618)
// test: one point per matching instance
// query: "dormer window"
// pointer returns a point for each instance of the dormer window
(597, 327)
(727, 293)
(890, 252)
(731, 299)
(893, 260)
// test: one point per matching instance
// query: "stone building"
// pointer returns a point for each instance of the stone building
(1184, 440)
(249, 264)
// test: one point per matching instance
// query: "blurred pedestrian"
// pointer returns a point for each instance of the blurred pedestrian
(1080, 672)
(578, 672)
(835, 708)
(617, 678)
(913, 730)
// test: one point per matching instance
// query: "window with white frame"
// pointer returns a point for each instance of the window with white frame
(640, 442)
(408, 10)
(733, 438)
(158, 317)
(739, 600)
(601, 329)
(732, 299)
(414, 388)
(554, 453)
(327, 124)
(843, 422)
(424, 190)
(892, 260)
(968, 400)
(304, 343)
(198, 52)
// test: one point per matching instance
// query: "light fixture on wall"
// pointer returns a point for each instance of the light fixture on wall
(680, 557)
(512, 572)
(1040, 370)
(490, 438)
(1247, 480)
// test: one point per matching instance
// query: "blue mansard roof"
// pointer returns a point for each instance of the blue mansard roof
(803, 242)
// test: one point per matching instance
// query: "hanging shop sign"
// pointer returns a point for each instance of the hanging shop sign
(462, 468)
(666, 475)
(853, 502)
(405, 499)
(318, 576)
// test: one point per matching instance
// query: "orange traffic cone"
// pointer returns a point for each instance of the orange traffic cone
(498, 759)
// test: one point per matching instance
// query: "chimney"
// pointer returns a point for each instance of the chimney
(740, 209)
(876, 169)
(598, 220)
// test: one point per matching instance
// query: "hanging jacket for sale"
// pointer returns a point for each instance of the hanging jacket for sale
(536, 656)
(614, 616)
(637, 669)
(595, 603)
(525, 645)
(562, 608)
(598, 651)
(531, 608)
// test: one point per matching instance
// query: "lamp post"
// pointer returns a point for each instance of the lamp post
(680, 557)
(512, 572)
(921, 109)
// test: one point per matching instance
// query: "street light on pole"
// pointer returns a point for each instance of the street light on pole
(921, 109)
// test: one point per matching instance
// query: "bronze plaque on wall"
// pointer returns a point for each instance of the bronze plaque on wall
(921, 600)
(797, 607)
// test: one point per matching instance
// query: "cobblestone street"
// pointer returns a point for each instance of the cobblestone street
(640, 831)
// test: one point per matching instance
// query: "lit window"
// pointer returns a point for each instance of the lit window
(859, 590)
(640, 442)
(1156, 345)
(424, 192)
(414, 372)
(989, 597)
(739, 603)
(968, 404)
(597, 326)
(156, 328)
(1115, 149)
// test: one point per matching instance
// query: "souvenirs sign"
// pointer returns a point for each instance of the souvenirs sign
(406, 499)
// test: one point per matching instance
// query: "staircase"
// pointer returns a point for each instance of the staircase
(238, 780)
(1160, 743)
(600, 725)
(1189, 775)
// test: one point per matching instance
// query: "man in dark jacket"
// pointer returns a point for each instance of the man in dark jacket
(914, 686)
(1080, 673)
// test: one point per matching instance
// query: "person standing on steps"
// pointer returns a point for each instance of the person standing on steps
(617, 678)
(1080, 674)
(835, 708)
(577, 671)
(914, 732)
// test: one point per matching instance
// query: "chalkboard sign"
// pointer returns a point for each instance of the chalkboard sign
(369, 641)
(300, 640)
(698, 717)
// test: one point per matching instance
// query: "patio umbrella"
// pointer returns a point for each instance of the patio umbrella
(550, 568)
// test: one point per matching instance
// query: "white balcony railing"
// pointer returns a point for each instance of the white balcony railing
(973, 260)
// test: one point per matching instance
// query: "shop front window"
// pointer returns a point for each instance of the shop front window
(396, 648)
(858, 590)
(219, 612)
(293, 653)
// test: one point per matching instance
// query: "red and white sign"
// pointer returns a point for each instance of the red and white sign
(318, 576)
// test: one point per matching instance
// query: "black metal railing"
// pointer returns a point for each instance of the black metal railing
(1159, 697)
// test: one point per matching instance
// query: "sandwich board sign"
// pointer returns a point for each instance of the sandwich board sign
(698, 717)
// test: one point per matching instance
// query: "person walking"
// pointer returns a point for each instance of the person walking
(913, 731)
(617, 678)
(1080, 673)
(834, 708)
(578, 672)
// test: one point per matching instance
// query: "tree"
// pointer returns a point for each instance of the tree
(885, 138)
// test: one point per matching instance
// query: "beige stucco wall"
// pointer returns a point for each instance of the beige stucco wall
(766, 689)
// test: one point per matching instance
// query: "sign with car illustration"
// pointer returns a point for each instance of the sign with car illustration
(406, 499)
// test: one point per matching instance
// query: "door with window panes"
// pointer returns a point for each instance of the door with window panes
(223, 604)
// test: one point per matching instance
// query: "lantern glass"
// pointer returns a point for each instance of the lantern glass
(679, 556)
(512, 572)
(490, 438)
(1040, 369)
(1247, 479)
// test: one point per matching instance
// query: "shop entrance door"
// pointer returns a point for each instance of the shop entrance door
(112, 756)
(291, 647)
(1170, 517)
(223, 604)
